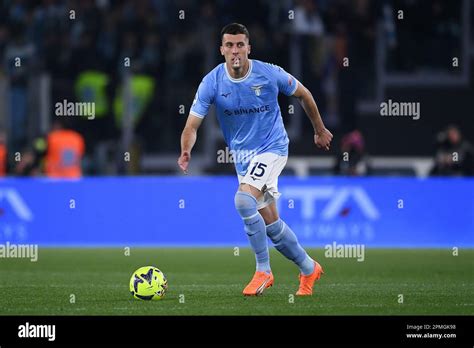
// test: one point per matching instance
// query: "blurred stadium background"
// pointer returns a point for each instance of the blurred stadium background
(140, 63)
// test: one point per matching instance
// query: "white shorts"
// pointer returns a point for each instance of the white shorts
(262, 173)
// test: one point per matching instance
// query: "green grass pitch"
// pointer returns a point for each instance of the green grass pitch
(210, 282)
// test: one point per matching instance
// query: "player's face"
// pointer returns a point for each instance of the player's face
(235, 49)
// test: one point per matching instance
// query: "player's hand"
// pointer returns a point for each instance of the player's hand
(323, 138)
(183, 161)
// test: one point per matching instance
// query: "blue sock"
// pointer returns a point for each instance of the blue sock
(286, 243)
(246, 205)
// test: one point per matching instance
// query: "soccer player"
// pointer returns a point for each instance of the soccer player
(245, 93)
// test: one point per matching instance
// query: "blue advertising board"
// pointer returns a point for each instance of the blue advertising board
(199, 211)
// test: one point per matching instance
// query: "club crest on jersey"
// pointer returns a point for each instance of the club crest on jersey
(257, 90)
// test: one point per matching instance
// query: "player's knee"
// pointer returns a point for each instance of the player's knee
(276, 230)
(245, 188)
(245, 203)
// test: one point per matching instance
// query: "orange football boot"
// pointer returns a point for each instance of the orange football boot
(307, 281)
(259, 282)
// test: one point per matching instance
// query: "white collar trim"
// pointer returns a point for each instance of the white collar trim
(242, 78)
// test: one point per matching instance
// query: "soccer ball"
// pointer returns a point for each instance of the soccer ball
(148, 283)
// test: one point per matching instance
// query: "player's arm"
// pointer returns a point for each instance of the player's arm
(199, 109)
(188, 139)
(322, 136)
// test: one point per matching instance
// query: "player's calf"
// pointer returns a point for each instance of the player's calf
(254, 226)
(286, 243)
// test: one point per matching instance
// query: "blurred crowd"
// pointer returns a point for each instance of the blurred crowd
(87, 47)
(454, 154)
(417, 43)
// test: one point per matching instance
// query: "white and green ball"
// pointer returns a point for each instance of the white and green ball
(148, 283)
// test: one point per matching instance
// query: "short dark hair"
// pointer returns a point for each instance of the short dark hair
(234, 29)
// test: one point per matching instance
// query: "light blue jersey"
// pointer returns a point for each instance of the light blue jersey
(247, 109)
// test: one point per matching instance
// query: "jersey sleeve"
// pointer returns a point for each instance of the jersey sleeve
(204, 97)
(287, 83)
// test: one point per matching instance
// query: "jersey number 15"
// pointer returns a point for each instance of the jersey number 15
(259, 166)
